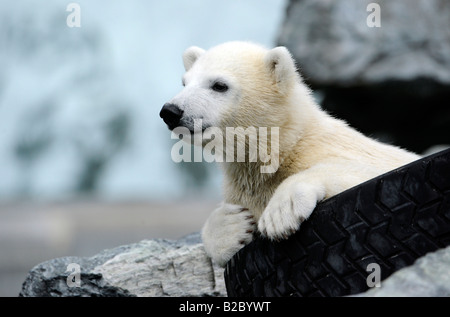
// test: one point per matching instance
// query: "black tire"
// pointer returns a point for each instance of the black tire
(390, 220)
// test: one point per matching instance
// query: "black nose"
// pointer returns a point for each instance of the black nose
(171, 115)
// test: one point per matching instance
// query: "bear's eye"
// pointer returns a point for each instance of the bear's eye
(219, 86)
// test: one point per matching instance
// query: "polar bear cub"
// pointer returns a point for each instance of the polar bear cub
(316, 156)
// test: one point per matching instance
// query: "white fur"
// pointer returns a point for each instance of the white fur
(226, 231)
(320, 156)
(191, 55)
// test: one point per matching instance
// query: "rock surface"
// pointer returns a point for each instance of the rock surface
(333, 42)
(148, 268)
(429, 276)
(181, 268)
(389, 82)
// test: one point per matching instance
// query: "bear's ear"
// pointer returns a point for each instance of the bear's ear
(190, 55)
(281, 66)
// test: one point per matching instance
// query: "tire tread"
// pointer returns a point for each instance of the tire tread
(391, 220)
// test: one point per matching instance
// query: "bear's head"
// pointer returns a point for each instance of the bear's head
(236, 84)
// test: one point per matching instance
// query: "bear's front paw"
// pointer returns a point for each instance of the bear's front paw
(227, 230)
(291, 204)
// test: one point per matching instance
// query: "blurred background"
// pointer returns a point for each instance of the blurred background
(84, 157)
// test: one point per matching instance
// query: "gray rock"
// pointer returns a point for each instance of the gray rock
(333, 43)
(148, 268)
(181, 268)
(428, 277)
(389, 82)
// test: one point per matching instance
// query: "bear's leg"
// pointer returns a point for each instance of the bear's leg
(296, 197)
(291, 204)
(226, 231)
